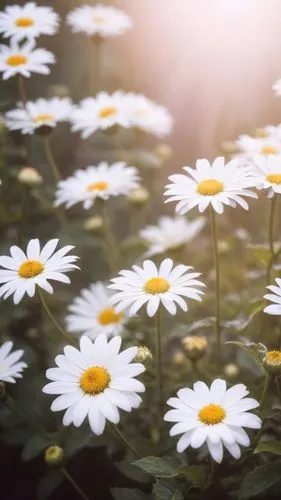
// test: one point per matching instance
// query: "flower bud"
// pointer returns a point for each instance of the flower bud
(272, 362)
(163, 151)
(138, 196)
(231, 370)
(29, 176)
(54, 455)
(94, 224)
(195, 347)
(178, 358)
(143, 355)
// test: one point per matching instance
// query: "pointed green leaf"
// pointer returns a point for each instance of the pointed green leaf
(270, 447)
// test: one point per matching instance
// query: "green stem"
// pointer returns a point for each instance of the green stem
(95, 83)
(159, 373)
(109, 240)
(22, 221)
(74, 484)
(217, 268)
(22, 90)
(125, 440)
(50, 158)
(271, 238)
(264, 391)
(53, 320)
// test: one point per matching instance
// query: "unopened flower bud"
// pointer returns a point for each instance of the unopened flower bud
(54, 455)
(94, 224)
(143, 355)
(163, 151)
(195, 347)
(138, 196)
(178, 358)
(272, 362)
(231, 370)
(29, 176)
(223, 246)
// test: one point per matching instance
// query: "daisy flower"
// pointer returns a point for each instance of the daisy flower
(214, 416)
(102, 181)
(267, 173)
(92, 313)
(23, 60)
(170, 234)
(23, 272)
(28, 21)
(216, 184)
(100, 113)
(277, 87)
(99, 20)
(274, 297)
(269, 145)
(10, 366)
(40, 113)
(95, 382)
(148, 116)
(148, 285)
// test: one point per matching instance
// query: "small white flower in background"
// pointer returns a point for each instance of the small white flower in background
(95, 382)
(249, 146)
(171, 233)
(267, 173)
(92, 313)
(10, 366)
(28, 21)
(29, 176)
(216, 184)
(23, 272)
(166, 285)
(24, 60)
(148, 116)
(274, 297)
(101, 182)
(214, 417)
(37, 114)
(100, 113)
(277, 87)
(99, 20)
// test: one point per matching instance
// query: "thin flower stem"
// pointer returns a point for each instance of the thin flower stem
(109, 240)
(53, 320)
(267, 381)
(125, 440)
(271, 238)
(50, 158)
(22, 221)
(74, 484)
(96, 74)
(217, 268)
(9, 402)
(158, 344)
(22, 91)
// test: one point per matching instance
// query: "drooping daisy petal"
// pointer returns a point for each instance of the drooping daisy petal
(10, 367)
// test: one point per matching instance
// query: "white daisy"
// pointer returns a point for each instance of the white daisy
(37, 114)
(92, 313)
(214, 416)
(23, 272)
(267, 173)
(149, 285)
(216, 184)
(99, 20)
(148, 116)
(170, 234)
(274, 297)
(100, 113)
(23, 60)
(269, 145)
(28, 21)
(277, 87)
(10, 366)
(95, 382)
(102, 181)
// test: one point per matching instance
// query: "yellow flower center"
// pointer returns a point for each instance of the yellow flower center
(210, 187)
(269, 150)
(16, 60)
(24, 22)
(43, 118)
(30, 268)
(273, 358)
(211, 414)
(94, 380)
(156, 285)
(107, 112)
(98, 19)
(108, 316)
(274, 178)
(98, 186)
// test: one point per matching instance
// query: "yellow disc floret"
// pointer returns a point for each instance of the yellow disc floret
(269, 150)
(108, 316)
(274, 178)
(210, 187)
(211, 414)
(94, 380)
(30, 268)
(156, 285)
(43, 118)
(16, 60)
(107, 112)
(24, 22)
(98, 186)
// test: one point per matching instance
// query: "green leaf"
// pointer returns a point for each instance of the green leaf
(133, 472)
(261, 252)
(34, 446)
(128, 494)
(197, 475)
(166, 491)
(158, 467)
(260, 480)
(270, 447)
(49, 484)
(256, 351)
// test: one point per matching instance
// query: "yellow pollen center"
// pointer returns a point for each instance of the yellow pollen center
(210, 187)
(98, 19)
(43, 118)
(269, 150)
(156, 285)
(107, 112)
(211, 414)
(98, 186)
(16, 60)
(24, 22)
(108, 316)
(94, 380)
(30, 268)
(274, 178)
(274, 357)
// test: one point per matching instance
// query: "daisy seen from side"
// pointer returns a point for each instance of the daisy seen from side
(275, 297)
(101, 21)
(267, 173)
(10, 366)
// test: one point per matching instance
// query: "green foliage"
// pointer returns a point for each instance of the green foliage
(260, 481)
(269, 447)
